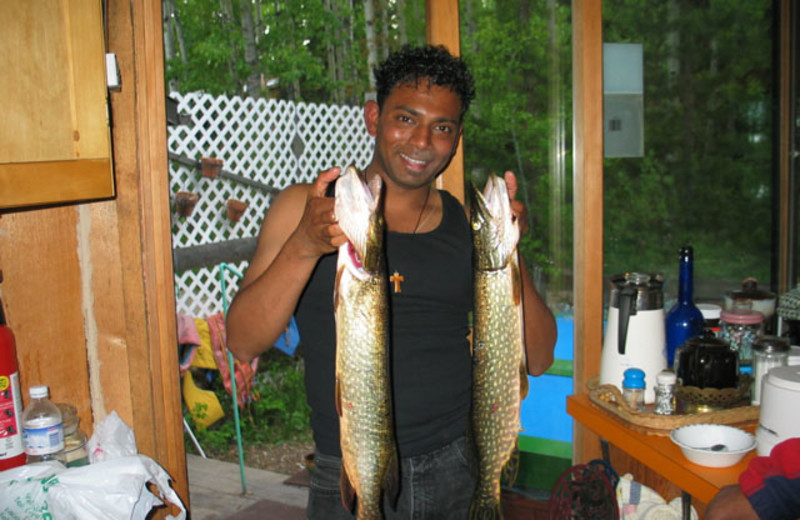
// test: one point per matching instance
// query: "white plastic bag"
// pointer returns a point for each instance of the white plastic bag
(111, 490)
(112, 439)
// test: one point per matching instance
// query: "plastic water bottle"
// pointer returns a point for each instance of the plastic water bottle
(42, 428)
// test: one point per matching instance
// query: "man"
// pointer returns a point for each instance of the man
(422, 96)
(769, 489)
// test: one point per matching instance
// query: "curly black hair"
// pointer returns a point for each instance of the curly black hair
(431, 63)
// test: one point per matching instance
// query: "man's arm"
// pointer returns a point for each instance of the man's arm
(730, 504)
(540, 325)
(539, 328)
(298, 229)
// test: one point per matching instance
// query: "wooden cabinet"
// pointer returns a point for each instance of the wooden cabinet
(55, 137)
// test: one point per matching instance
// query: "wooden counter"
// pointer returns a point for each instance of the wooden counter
(658, 453)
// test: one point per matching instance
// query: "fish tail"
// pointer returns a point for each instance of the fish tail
(347, 492)
(485, 511)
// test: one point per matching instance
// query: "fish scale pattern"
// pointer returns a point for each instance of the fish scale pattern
(270, 141)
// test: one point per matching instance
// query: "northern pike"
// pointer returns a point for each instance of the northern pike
(363, 390)
(499, 377)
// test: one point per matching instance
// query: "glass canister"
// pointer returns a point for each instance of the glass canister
(74, 438)
(768, 352)
(740, 327)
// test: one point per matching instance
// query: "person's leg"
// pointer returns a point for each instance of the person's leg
(324, 499)
(436, 485)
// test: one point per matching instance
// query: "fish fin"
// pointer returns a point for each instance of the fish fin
(336, 288)
(523, 380)
(511, 468)
(337, 396)
(392, 482)
(347, 492)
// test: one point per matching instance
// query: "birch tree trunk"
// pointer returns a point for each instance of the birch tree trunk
(167, 11)
(401, 21)
(385, 40)
(252, 83)
(332, 57)
(226, 8)
(372, 45)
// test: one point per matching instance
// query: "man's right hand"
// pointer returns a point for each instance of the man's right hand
(318, 232)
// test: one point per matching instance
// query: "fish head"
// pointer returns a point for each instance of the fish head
(359, 210)
(495, 230)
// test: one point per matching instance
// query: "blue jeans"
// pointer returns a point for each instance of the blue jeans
(436, 485)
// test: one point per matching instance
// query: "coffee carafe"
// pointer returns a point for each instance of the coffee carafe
(635, 335)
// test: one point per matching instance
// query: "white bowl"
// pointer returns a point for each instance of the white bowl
(695, 441)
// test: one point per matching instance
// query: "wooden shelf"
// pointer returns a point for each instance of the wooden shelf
(658, 453)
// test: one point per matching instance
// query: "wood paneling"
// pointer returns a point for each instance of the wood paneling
(54, 142)
(89, 287)
(42, 295)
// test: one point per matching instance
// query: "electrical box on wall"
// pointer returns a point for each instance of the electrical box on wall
(623, 100)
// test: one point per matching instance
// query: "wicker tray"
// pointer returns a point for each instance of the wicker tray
(609, 398)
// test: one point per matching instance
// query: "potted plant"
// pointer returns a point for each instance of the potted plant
(211, 167)
(185, 202)
(236, 209)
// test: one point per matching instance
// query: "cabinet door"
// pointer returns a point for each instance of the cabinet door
(54, 139)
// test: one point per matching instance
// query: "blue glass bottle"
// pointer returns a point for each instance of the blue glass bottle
(684, 319)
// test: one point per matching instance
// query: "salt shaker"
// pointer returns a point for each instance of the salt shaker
(665, 392)
(633, 388)
(768, 352)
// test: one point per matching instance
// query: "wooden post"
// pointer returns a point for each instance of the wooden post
(587, 49)
(443, 29)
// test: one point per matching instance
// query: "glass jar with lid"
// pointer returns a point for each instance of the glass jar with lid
(768, 352)
(740, 327)
(74, 438)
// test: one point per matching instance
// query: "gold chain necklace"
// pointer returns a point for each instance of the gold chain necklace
(396, 277)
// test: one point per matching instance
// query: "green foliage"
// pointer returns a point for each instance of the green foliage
(708, 141)
(278, 413)
(708, 111)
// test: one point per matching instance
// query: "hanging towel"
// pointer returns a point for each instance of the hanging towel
(203, 405)
(188, 340)
(243, 372)
(204, 355)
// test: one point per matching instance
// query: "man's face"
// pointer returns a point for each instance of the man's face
(416, 133)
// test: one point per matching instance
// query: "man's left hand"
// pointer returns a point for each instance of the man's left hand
(517, 207)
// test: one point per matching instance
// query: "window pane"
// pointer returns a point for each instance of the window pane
(703, 171)
(520, 54)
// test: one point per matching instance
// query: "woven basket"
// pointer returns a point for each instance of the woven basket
(609, 398)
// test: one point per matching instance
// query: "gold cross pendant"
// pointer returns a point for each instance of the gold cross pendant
(396, 278)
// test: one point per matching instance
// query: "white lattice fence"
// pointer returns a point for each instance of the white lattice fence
(273, 142)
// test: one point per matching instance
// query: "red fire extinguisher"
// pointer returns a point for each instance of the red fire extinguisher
(11, 451)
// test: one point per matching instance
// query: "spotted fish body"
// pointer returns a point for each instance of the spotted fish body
(363, 395)
(499, 379)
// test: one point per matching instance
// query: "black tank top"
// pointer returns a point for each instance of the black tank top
(431, 368)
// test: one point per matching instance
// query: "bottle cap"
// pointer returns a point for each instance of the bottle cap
(710, 311)
(634, 378)
(666, 378)
(38, 391)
